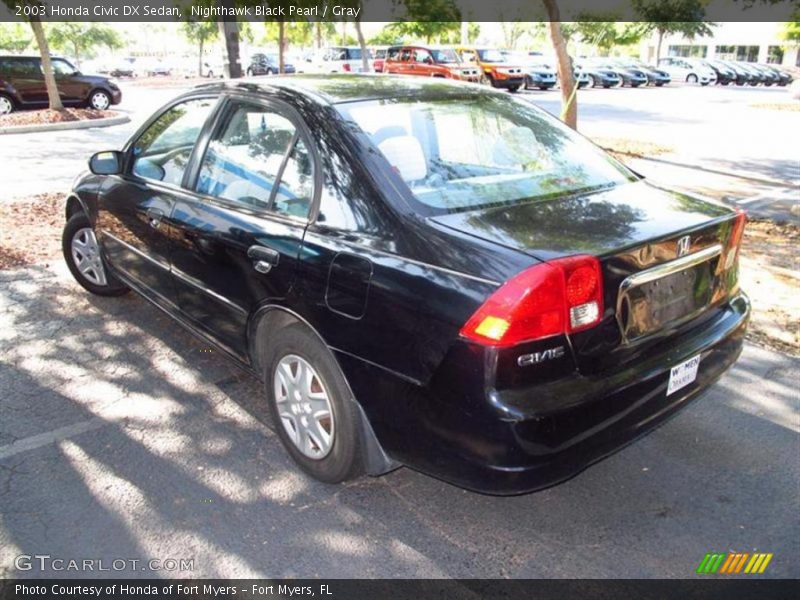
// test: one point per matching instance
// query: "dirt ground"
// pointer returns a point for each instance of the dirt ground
(30, 233)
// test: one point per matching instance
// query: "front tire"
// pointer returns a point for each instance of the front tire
(310, 403)
(691, 78)
(513, 88)
(85, 261)
(99, 100)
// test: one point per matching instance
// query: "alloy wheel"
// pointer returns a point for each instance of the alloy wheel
(6, 106)
(304, 406)
(86, 256)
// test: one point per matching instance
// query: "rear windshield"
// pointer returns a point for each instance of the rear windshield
(460, 154)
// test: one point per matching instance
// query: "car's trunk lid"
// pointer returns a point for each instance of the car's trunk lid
(661, 253)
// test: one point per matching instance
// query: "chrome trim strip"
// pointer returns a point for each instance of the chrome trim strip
(198, 285)
(135, 250)
(671, 267)
(657, 272)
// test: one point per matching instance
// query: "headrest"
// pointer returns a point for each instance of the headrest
(404, 153)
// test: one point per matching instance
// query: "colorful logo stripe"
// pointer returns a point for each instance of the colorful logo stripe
(734, 563)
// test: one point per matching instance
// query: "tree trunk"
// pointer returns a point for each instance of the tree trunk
(363, 43)
(464, 33)
(44, 51)
(569, 102)
(281, 43)
(229, 31)
(318, 26)
(200, 58)
(658, 46)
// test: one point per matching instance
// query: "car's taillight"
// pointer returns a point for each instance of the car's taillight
(346, 67)
(735, 240)
(552, 298)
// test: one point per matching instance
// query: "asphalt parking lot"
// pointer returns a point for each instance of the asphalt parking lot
(123, 437)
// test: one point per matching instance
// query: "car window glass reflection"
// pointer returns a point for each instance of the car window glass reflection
(246, 159)
(162, 152)
(461, 154)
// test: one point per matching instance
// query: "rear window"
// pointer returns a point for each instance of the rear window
(465, 153)
(20, 67)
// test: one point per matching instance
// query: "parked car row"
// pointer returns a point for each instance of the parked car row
(723, 72)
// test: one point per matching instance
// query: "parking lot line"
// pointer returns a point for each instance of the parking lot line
(56, 435)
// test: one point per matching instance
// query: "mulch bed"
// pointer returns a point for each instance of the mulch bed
(41, 117)
(621, 148)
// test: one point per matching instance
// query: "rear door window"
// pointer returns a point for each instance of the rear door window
(22, 68)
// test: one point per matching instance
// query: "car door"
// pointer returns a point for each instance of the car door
(70, 88)
(134, 208)
(27, 78)
(238, 237)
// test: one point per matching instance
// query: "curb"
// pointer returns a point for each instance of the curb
(747, 176)
(65, 125)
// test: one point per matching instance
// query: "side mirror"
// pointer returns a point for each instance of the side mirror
(106, 163)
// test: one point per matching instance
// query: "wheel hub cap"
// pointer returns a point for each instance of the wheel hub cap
(86, 256)
(304, 406)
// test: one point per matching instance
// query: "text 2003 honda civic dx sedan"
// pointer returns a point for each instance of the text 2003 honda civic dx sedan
(423, 273)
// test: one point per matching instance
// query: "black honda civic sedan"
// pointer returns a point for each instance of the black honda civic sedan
(423, 273)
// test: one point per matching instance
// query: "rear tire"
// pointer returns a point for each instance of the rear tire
(324, 442)
(513, 88)
(691, 78)
(85, 261)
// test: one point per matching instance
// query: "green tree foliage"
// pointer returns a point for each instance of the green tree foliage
(82, 40)
(665, 17)
(791, 32)
(608, 34)
(200, 33)
(14, 37)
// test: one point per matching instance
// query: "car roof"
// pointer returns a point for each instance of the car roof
(339, 88)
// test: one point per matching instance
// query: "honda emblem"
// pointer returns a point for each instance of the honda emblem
(683, 245)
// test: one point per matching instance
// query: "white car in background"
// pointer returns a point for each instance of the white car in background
(689, 70)
(336, 59)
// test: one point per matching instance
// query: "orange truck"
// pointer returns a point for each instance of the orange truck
(429, 61)
(493, 66)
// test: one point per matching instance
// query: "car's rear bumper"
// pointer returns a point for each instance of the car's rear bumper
(496, 447)
(116, 96)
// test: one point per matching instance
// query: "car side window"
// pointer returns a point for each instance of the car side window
(162, 152)
(62, 68)
(26, 68)
(258, 159)
(423, 56)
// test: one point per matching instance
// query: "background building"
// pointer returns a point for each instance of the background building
(751, 42)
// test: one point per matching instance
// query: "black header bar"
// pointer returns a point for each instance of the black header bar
(390, 10)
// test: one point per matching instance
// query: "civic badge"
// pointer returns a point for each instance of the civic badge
(683, 245)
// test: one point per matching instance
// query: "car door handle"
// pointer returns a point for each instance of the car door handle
(154, 216)
(263, 258)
